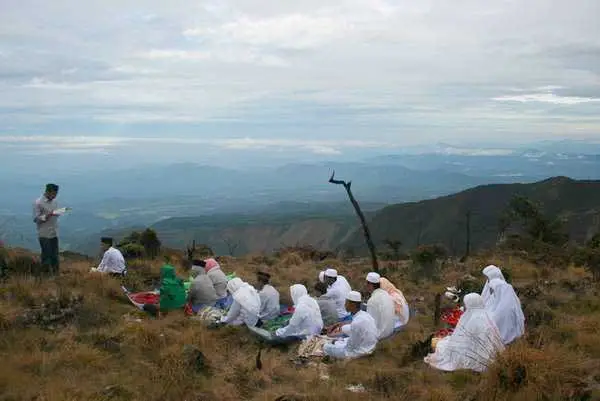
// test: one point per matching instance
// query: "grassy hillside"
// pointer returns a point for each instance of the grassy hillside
(443, 220)
(94, 346)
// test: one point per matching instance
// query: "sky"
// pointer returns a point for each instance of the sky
(144, 79)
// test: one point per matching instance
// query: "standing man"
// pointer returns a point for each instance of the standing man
(46, 221)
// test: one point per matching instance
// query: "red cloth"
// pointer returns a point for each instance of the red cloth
(144, 298)
(451, 316)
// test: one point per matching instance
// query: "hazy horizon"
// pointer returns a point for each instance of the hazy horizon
(141, 81)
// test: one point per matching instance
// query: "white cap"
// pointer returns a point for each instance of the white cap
(331, 273)
(322, 276)
(354, 296)
(373, 278)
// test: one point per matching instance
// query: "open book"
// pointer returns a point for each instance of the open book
(61, 211)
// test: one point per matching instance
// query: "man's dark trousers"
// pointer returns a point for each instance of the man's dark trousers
(50, 255)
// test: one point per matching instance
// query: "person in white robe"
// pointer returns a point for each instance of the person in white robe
(269, 297)
(246, 304)
(505, 309)
(380, 306)
(362, 332)
(400, 304)
(113, 261)
(305, 322)
(474, 343)
(490, 272)
(338, 289)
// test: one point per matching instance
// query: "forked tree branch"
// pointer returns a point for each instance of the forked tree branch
(367, 233)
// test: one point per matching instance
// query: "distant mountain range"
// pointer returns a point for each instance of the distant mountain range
(152, 194)
(335, 226)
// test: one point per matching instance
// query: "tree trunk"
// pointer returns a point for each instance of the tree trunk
(437, 310)
(468, 238)
(363, 221)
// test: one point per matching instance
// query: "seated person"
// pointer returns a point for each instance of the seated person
(172, 290)
(362, 332)
(269, 297)
(380, 306)
(219, 279)
(112, 262)
(400, 305)
(306, 320)
(490, 272)
(246, 304)
(326, 305)
(473, 344)
(202, 292)
(505, 309)
(338, 289)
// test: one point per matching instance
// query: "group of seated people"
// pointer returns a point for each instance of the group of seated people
(335, 310)
(490, 322)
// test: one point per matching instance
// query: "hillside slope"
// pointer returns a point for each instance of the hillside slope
(320, 224)
(77, 337)
(443, 220)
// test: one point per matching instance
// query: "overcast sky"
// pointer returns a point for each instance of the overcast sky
(320, 77)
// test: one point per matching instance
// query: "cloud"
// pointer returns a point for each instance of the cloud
(547, 98)
(292, 31)
(96, 144)
(394, 71)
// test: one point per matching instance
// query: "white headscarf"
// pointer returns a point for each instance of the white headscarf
(306, 319)
(505, 309)
(491, 272)
(473, 344)
(245, 295)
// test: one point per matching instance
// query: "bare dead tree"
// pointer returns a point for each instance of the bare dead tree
(190, 250)
(231, 245)
(468, 237)
(361, 216)
(419, 231)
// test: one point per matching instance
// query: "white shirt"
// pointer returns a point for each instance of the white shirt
(362, 335)
(305, 321)
(338, 292)
(269, 303)
(381, 307)
(112, 261)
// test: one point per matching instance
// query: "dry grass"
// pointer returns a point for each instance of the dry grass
(97, 354)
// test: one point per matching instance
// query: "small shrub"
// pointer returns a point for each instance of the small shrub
(426, 261)
(590, 258)
(132, 251)
(24, 265)
(291, 259)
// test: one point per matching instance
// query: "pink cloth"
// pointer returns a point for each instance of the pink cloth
(210, 264)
